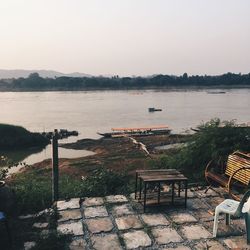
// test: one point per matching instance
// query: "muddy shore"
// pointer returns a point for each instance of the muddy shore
(118, 154)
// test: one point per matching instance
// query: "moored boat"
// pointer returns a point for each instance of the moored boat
(141, 131)
(216, 92)
(153, 109)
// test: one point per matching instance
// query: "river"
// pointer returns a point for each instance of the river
(98, 111)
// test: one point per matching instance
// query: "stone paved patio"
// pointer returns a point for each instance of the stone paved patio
(118, 222)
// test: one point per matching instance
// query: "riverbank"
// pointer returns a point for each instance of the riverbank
(121, 154)
(192, 87)
(118, 154)
(111, 169)
(112, 166)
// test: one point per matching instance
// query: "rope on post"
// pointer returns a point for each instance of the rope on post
(55, 171)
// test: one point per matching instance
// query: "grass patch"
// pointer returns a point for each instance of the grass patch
(33, 188)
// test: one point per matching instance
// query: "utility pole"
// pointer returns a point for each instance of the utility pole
(55, 171)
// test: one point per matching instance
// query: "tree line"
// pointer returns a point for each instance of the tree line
(35, 82)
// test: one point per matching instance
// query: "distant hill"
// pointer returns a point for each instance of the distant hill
(6, 73)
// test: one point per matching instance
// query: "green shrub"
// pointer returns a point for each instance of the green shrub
(215, 140)
(105, 182)
(33, 192)
(69, 187)
(33, 188)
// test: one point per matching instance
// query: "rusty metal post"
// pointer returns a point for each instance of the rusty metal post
(55, 171)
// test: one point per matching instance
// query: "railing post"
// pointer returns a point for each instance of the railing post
(55, 171)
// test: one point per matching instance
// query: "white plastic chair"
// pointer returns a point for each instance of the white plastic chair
(235, 208)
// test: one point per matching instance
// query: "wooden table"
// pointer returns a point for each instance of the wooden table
(158, 176)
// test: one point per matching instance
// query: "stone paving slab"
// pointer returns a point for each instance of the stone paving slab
(190, 194)
(70, 204)
(116, 198)
(73, 227)
(40, 225)
(237, 243)
(106, 242)
(225, 230)
(166, 235)
(122, 210)
(197, 204)
(128, 222)
(240, 224)
(27, 216)
(209, 193)
(115, 222)
(209, 244)
(92, 212)
(136, 239)
(78, 244)
(195, 232)
(155, 219)
(182, 217)
(95, 201)
(203, 215)
(45, 232)
(29, 245)
(72, 214)
(132, 196)
(214, 201)
(99, 225)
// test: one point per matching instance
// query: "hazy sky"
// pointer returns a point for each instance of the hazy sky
(126, 37)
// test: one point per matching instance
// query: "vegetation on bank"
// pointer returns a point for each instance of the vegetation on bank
(35, 82)
(215, 140)
(33, 188)
(16, 137)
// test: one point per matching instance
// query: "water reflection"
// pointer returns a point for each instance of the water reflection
(92, 111)
(34, 155)
(62, 153)
(20, 155)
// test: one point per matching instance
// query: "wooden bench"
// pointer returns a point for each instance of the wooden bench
(237, 173)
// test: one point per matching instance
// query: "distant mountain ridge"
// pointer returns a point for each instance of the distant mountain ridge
(16, 73)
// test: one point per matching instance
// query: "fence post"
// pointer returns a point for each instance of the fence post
(55, 172)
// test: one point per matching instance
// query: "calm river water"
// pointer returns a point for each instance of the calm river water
(99, 111)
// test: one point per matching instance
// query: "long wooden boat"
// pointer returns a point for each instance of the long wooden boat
(141, 131)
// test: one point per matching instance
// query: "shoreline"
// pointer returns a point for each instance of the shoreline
(117, 154)
(167, 88)
(120, 154)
